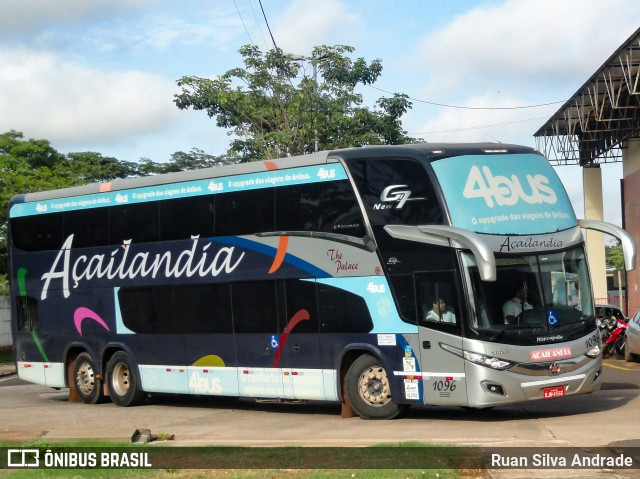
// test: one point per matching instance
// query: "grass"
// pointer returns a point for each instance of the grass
(236, 474)
(224, 473)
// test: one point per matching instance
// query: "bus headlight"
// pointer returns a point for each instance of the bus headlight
(594, 352)
(477, 358)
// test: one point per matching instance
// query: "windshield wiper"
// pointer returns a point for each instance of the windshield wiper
(511, 328)
(582, 322)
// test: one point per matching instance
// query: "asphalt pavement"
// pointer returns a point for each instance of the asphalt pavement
(607, 419)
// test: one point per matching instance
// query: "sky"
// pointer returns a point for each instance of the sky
(100, 75)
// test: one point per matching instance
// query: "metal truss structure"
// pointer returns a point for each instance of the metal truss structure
(596, 123)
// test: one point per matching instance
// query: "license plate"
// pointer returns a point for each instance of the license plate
(551, 393)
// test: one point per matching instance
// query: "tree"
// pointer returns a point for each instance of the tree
(614, 256)
(275, 107)
(27, 166)
(181, 161)
(92, 167)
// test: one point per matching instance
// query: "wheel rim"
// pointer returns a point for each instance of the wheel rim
(85, 379)
(120, 379)
(373, 386)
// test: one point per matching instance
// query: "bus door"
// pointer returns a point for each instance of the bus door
(300, 342)
(443, 376)
(257, 338)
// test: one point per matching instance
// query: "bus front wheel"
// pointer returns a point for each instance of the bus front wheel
(88, 386)
(368, 389)
(122, 381)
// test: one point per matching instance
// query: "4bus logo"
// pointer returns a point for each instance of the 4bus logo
(507, 191)
(394, 195)
(325, 174)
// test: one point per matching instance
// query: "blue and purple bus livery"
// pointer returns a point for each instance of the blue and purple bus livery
(376, 277)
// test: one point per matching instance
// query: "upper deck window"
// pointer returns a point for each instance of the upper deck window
(329, 207)
(396, 191)
(324, 206)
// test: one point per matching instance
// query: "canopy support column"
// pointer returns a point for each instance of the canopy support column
(593, 210)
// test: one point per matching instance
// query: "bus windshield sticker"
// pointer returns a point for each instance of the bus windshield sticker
(395, 196)
(386, 339)
(504, 194)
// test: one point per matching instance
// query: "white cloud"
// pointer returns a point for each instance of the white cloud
(304, 25)
(71, 104)
(515, 44)
(157, 33)
(21, 16)
(517, 127)
(478, 125)
(519, 52)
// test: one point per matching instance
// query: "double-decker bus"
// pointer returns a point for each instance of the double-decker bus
(378, 277)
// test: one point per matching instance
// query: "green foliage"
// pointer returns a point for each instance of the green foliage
(614, 257)
(91, 167)
(276, 107)
(181, 161)
(27, 166)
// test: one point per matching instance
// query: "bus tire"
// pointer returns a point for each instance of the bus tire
(89, 388)
(122, 381)
(368, 390)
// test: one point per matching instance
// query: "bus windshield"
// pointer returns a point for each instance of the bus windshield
(537, 298)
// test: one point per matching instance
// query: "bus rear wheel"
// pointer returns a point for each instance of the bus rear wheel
(122, 381)
(368, 390)
(89, 387)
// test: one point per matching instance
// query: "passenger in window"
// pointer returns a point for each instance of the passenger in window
(439, 312)
(514, 307)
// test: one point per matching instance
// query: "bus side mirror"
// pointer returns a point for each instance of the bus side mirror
(626, 240)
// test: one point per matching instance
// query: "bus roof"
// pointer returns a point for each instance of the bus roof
(430, 151)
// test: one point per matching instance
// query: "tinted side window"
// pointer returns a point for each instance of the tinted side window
(342, 312)
(438, 300)
(329, 207)
(183, 218)
(245, 212)
(27, 313)
(37, 233)
(254, 307)
(177, 309)
(203, 308)
(145, 310)
(396, 191)
(90, 227)
(137, 222)
(301, 295)
(404, 292)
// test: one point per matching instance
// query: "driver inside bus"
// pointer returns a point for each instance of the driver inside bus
(439, 312)
(516, 305)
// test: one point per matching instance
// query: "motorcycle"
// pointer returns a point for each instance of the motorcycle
(606, 327)
(614, 343)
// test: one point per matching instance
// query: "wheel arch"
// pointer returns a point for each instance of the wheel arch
(352, 352)
(72, 352)
(111, 348)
